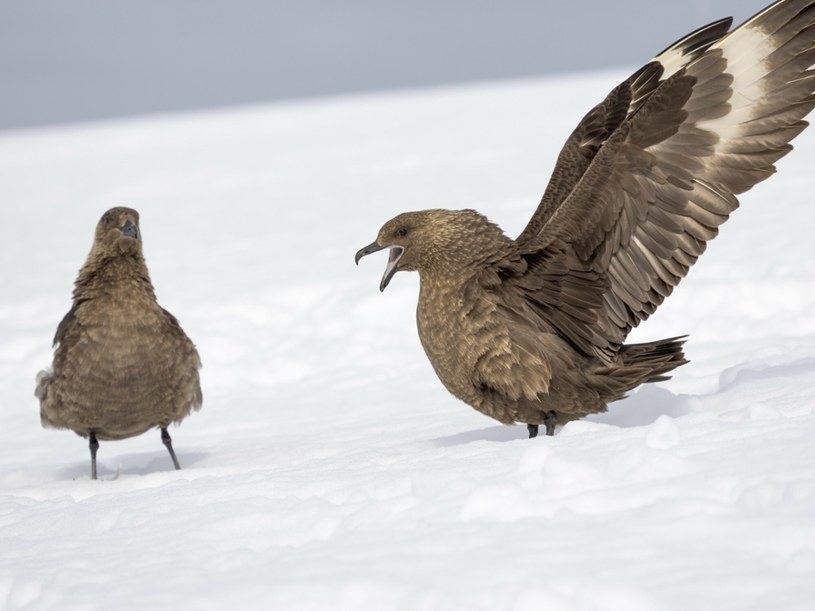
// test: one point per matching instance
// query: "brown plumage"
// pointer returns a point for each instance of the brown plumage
(122, 363)
(533, 329)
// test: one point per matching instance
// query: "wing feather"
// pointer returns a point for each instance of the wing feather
(602, 120)
(646, 194)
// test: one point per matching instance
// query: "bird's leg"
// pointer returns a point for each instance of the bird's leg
(93, 445)
(550, 420)
(533, 430)
(165, 439)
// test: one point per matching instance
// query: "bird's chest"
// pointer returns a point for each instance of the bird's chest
(451, 329)
(121, 328)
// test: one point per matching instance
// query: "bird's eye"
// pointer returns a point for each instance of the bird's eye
(106, 218)
(402, 232)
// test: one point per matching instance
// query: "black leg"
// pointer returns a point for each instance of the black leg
(533, 430)
(550, 420)
(165, 439)
(93, 445)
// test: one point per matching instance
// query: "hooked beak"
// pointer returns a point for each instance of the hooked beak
(393, 259)
(364, 252)
(130, 229)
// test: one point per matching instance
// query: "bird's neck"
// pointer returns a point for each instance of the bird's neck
(103, 276)
(438, 280)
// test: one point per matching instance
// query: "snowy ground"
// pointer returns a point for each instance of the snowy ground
(329, 469)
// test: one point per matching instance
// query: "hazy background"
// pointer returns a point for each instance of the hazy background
(80, 60)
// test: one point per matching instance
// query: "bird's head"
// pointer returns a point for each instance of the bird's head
(441, 241)
(118, 231)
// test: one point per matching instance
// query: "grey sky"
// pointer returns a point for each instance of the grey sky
(78, 60)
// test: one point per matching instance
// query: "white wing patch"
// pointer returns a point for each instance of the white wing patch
(746, 51)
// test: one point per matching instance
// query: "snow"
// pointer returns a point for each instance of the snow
(329, 469)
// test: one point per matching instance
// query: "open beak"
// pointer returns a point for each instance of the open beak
(393, 260)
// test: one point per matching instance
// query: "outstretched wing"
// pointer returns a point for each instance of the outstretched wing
(602, 120)
(661, 183)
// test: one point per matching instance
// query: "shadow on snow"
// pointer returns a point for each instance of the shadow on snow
(640, 409)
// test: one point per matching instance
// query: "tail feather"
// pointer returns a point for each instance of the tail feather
(640, 364)
(654, 359)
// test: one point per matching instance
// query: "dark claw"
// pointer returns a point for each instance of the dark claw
(533, 430)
